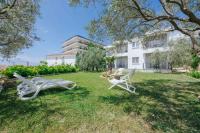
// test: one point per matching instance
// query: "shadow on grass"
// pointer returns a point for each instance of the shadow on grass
(78, 91)
(37, 113)
(165, 104)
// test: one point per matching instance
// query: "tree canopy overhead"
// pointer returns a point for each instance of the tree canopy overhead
(17, 18)
(124, 19)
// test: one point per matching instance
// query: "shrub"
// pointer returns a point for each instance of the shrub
(22, 70)
(43, 70)
(195, 61)
(27, 71)
(195, 74)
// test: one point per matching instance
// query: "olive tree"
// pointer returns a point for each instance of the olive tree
(179, 53)
(91, 59)
(124, 19)
(157, 58)
(17, 18)
(109, 61)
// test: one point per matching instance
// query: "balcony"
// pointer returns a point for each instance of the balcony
(117, 54)
(118, 50)
(154, 44)
(121, 54)
(74, 45)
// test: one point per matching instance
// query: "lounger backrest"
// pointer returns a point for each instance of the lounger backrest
(24, 80)
(19, 76)
(131, 72)
(128, 74)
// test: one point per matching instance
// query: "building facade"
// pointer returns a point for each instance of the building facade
(70, 48)
(135, 54)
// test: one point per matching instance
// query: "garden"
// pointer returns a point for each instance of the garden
(162, 103)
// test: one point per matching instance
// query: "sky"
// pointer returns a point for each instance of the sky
(57, 22)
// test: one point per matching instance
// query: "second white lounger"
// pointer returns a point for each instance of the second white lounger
(124, 82)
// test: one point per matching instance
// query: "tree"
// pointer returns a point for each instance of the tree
(157, 58)
(110, 60)
(179, 53)
(124, 19)
(17, 18)
(92, 59)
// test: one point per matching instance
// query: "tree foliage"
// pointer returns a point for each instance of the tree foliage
(157, 58)
(179, 53)
(17, 18)
(124, 19)
(91, 59)
(109, 61)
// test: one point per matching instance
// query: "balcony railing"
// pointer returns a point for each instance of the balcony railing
(122, 51)
(154, 44)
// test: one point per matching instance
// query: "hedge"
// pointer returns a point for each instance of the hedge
(195, 74)
(28, 71)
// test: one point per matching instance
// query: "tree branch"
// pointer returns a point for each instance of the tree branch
(9, 6)
(186, 11)
(164, 8)
(149, 17)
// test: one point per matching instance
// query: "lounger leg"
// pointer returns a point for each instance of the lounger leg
(125, 88)
(133, 88)
(128, 88)
(69, 88)
(112, 86)
(32, 97)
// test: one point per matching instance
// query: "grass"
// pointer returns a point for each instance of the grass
(164, 103)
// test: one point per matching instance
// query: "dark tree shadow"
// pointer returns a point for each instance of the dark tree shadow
(41, 108)
(165, 104)
(76, 93)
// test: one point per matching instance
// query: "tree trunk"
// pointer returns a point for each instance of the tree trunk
(111, 68)
(195, 47)
(171, 67)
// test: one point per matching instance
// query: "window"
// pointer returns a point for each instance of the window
(63, 60)
(135, 45)
(135, 60)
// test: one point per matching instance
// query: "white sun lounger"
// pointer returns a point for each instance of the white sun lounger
(35, 85)
(124, 82)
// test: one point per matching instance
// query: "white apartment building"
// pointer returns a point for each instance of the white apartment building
(135, 54)
(70, 48)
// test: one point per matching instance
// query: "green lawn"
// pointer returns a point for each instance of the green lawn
(164, 103)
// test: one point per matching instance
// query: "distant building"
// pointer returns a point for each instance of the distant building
(3, 67)
(133, 54)
(70, 48)
(136, 53)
